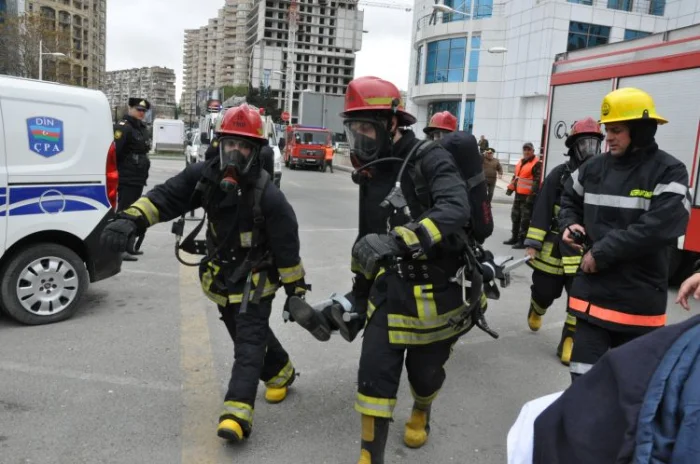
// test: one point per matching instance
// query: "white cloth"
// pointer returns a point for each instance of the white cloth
(522, 434)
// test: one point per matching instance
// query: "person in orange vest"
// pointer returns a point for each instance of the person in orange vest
(525, 184)
(328, 160)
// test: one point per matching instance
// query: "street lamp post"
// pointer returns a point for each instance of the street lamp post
(41, 59)
(446, 9)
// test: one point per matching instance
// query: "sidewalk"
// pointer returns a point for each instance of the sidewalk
(342, 163)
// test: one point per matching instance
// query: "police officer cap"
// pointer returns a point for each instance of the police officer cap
(140, 103)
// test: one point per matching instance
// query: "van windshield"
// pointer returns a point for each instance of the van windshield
(311, 138)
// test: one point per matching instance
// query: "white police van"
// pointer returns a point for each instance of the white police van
(58, 188)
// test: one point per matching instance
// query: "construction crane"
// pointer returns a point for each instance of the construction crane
(293, 17)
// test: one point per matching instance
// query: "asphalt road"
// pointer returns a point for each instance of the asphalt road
(138, 375)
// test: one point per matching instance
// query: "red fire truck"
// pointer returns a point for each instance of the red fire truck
(665, 65)
(306, 146)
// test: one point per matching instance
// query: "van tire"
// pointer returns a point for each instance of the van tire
(70, 265)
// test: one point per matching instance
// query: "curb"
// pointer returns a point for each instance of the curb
(504, 201)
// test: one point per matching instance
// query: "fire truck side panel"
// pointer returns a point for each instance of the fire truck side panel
(569, 103)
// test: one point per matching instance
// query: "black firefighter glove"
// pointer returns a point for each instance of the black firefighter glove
(372, 249)
(297, 289)
(122, 232)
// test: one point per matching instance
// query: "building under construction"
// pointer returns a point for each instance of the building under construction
(328, 34)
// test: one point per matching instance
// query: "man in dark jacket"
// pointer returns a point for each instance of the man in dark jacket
(554, 264)
(252, 246)
(622, 209)
(408, 300)
(133, 144)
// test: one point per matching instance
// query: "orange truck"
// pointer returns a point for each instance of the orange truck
(306, 146)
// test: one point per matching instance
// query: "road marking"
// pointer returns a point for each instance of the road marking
(160, 274)
(201, 397)
(42, 371)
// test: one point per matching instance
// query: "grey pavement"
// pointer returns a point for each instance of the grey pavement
(138, 375)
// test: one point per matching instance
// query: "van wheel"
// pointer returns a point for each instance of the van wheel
(42, 284)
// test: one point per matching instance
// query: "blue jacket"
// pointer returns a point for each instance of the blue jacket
(640, 401)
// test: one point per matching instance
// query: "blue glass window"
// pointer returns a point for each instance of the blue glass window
(624, 5)
(454, 108)
(632, 34)
(652, 7)
(482, 9)
(584, 35)
(657, 7)
(445, 60)
(3, 8)
(581, 2)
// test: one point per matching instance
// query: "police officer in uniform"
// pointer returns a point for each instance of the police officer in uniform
(407, 312)
(252, 246)
(133, 144)
(623, 209)
(554, 264)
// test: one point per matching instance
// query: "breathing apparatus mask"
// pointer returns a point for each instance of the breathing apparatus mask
(238, 157)
(583, 148)
(371, 143)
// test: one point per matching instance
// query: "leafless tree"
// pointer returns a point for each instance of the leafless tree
(20, 37)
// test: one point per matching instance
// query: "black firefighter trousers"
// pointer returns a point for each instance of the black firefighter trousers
(258, 355)
(127, 195)
(546, 288)
(381, 365)
(591, 342)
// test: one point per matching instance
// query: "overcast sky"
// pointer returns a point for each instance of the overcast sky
(151, 33)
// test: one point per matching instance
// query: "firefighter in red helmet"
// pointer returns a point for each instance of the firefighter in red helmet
(405, 252)
(553, 262)
(440, 124)
(251, 246)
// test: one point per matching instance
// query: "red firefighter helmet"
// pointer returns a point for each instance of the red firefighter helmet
(442, 121)
(584, 126)
(243, 121)
(374, 94)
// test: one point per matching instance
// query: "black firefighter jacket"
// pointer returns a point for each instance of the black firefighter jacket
(632, 207)
(419, 310)
(230, 221)
(553, 255)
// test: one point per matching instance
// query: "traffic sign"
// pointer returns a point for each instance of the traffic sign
(285, 116)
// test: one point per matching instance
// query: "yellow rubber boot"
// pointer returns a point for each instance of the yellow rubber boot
(276, 394)
(374, 434)
(534, 320)
(230, 430)
(417, 428)
(566, 345)
(566, 349)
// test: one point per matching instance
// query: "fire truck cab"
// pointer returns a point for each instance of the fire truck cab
(665, 65)
(306, 146)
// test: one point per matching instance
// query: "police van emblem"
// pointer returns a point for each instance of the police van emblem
(45, 135)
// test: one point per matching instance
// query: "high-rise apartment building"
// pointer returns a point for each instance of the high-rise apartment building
(245, 45)
(329, 34)
(85, 23)
(214, 55)
(156, 84)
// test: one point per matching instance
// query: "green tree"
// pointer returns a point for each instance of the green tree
(261, 97)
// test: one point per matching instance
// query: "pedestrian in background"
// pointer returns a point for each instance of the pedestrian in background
(525, 184)
(492, 170)
(328, 160)
(132, 142)
(483, 144)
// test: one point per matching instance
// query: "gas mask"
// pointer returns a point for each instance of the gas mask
(584, 147)
(238, 156)
(369, 139)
